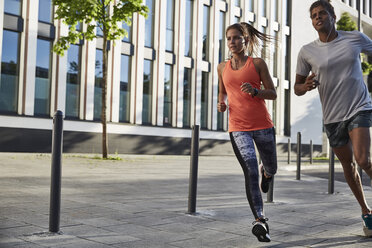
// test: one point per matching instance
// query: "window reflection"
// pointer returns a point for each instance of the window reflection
(221, 38)
(13, 7)
(147, 92)
(221, 54)
(128, 28)
(188, 28)
(73, 81)
(149, 24)
(186, 97)
(124, 89)
(45, 11)
(205, 54)
(98, 84)
(204, 101)
(9, 71)
(168, 95)
(169, 26)
(263, 8)
(43, 77)
(249, 5)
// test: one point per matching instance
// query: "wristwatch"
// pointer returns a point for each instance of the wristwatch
(255, 92)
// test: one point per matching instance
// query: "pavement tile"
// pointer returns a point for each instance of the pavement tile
(142, 202)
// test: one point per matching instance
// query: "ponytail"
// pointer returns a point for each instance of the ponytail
(253, 36)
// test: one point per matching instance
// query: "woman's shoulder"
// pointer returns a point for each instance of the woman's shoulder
(222, 65)
(259, 62)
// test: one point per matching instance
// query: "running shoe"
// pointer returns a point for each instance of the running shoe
(260, 229)
(265, 182)
(367, 227)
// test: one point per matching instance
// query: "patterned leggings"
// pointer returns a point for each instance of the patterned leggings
(243, 145)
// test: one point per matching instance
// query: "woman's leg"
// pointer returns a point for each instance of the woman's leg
(244, 149)
(266, 146)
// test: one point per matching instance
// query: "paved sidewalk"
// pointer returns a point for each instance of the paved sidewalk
(141, 201)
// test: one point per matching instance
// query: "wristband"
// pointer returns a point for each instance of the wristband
(255, 92)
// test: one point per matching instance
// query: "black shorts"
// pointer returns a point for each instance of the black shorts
(338, 132)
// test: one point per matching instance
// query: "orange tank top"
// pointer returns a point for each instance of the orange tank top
(246, 113)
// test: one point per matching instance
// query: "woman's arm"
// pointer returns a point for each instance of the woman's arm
(269, 90)
(222, 95)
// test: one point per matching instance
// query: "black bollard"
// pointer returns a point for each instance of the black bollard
(331, 172)
(193, 180)
(270, 194)
(55, 186)
(311, 151)
(289, 151)
(298, 172)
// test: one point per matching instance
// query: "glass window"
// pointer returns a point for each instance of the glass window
(287, 111)
(275, 54)
(168, 92)
(236, 19)
(205, 53)
(204, 101)
(221, 37)
(128, 38)
(99, 31)
(263, 44)
(186, 97)
(221, 57)
(147, 92)
(98, 81)
(263, 8)
(45, 11)
(275, 10)
(13, 7)
(188, 29)
(273, 114)
(287, 58)
(249, 5)
(43, 77)
(287, 13)
(73, 81)
(149, 24)
(124, 89)
(170, 26)
(237, 3)
(9, 71)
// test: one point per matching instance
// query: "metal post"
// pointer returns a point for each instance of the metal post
(298, 173)
(331, 172)
(360, 171)
(193, 179)
(55, 187)
(270, 194)
(289, 151)
(311, 151)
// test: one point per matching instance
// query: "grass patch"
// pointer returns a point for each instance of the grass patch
(117, 158)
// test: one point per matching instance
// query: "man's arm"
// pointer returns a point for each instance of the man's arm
(304, 84)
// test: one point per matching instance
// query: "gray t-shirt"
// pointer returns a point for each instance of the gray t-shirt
(337, 66)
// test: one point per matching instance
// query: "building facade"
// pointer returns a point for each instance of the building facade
(162, 77)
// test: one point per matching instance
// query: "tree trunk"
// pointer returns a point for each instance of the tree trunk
(104, 97)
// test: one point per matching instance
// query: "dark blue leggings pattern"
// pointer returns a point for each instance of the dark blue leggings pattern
(243, 144)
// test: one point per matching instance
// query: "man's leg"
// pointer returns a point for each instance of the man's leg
(345, 155)
(360, 138)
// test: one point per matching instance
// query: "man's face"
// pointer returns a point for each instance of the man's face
(321, 19)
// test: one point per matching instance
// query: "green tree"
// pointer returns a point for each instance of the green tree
(346, 23)
(108, 16)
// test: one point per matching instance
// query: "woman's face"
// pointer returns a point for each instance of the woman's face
(321, 19)
(235, 41)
